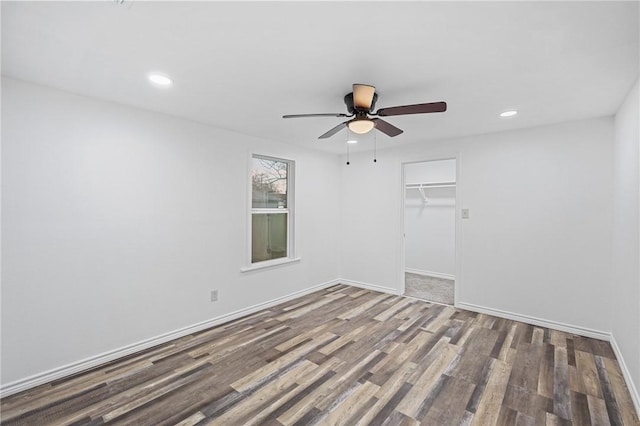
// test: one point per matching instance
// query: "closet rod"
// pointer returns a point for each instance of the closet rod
(430, 185)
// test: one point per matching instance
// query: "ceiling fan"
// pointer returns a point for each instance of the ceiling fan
(360, 105)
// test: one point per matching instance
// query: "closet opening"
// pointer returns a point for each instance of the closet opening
(430, 230)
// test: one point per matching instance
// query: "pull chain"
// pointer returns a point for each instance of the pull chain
(347, 143)
(375, 148)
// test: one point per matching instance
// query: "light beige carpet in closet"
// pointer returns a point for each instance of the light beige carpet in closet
(428, 288)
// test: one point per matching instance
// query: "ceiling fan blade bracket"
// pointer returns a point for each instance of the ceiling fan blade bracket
(348, 101)
(373, 102)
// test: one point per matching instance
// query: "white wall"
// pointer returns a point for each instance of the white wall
(436, 171)
(625, 281)
(430, 227)
(117, 223)
(538, 239)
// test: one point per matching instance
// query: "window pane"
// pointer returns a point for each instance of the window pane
(269, 236)
(269, 183)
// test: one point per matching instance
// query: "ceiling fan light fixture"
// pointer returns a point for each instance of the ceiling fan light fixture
(361, 125)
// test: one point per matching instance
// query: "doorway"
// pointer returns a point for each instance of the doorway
(430, 230)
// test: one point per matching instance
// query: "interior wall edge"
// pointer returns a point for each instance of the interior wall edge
(556, 325)
(86, 364)
(633, 391)
(368, 286)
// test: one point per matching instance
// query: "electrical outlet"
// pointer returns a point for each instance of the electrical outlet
(214, 295)
(465, 213)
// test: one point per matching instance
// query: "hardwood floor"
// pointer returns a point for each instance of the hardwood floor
(345, 355)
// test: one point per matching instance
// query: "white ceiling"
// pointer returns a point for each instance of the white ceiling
(242, 65)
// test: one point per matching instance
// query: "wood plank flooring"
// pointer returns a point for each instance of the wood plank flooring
(348, 356)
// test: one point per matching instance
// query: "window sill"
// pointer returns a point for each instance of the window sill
(269, 264)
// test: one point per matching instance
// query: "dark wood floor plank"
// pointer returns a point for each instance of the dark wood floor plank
(345, 356)
(491, 401)
(597, 411)
(545, 378)
(526, 401)
(622, 395)
(449, 406)
(607, 390)
(387, 395)
(306, 384)
(360, 401)
(561, 388)
(588, 373)
(423, 386)
(580, 409)
(526, 366)
(506, 416)
(481, 385)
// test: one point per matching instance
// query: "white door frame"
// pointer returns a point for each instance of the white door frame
(458, 226)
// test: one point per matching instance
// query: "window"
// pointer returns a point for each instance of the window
(271, 209)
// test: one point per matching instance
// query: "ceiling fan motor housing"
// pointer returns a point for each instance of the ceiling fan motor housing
(348, 100)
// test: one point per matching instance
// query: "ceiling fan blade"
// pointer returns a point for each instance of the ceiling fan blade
(363, 96)
(413, 109)
(334, 130)
(316, 115)
(386, 128)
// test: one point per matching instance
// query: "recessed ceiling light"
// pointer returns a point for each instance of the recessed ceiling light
(352, 141)
(508, 113)
(160, 79)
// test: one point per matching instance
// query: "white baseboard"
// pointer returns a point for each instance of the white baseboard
(633, 390)
(97, 360)
(368, 286)
(574, 329)
(430, 274)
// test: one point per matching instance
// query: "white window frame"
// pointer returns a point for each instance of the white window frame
(289, 210)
